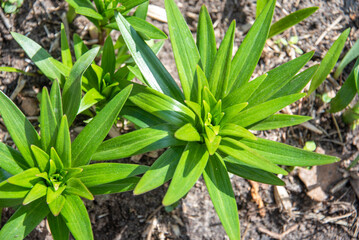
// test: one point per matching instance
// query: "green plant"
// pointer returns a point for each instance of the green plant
(11, 6)
(102, 16)
(206, 128)
(48, 174)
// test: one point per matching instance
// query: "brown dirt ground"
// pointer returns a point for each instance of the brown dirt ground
(124, 216)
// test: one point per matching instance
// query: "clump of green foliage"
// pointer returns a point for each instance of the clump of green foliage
(207, 126)
(11, 6)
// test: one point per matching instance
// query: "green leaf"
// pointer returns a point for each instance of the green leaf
(346, 93)
(101, 173)
(11, 160)
(91, 98)
(38, 55)
(11, 69)
(141, 10)
(156, 75)
(234, 130)
(41, 157)
(95, 132)
(161, 171)
(76, 218)
(56, 159)
(231, 113)
(247, 172)
(85, 7)
(63, 143)
(79, 46)
(59, 230)
(145, 28)
(244, 154)
(200, 83)
(329, 61)
(26, 178)
(250, 50)
(218, 82)
(277, 79)
(65, 50)
(128, 4)
(140, 117)
(48, 122)
(56, 101)
(184, 48)
(100, 5)
(221, 193)
(21, 131)
(57, 204)
(279, 121)
(108, 60)
(206, 41)
(76, 186)
(187, 133)
(38, 191)
(283, 154)
(263, 110)
(11, 195)
(291, 20)
(242, 94)
(52, 195)
(297, 83)
(71, 94)
(137, 142)
(123, 185)
(260, 6)
(24, 220)
(190, 167)
(161, 105)
(349, 56)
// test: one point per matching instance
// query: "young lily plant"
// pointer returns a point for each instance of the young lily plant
(47, 176)
(207, 126)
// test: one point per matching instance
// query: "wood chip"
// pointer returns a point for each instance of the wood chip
(282, 199)
(311, 127)
(257, 198)
(157, 13)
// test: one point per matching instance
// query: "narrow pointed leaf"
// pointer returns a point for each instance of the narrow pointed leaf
(219, 79)
(220, 190)
(161, 171)
(137, 142)
(349, 56)
(65, 49)
(232, 112)
(53, 194)
(290, 20)
(57, 205)
(188, 133)
(200, 83)
(57, 160)
(260, 6)
(38, 55)
(56, 101)
(76, 218)
(11, 160)
(42, 158)
(154, 72)
(38, 191)
(243, 153)
(95, 132)
(234, 130)
(63, 143)
(277, 79)
(146, 29)
(11, 69)
(85, 7)
(108, 61)
(250, 50)
(329, 61)
(71, 94)
(26, 178)
(206, 41)
(59, 230)
(190, 167)
(141, 10)
(263, 110)
(48, 122)
(212, 144)
(21, 130)
(24, 220)
(11, 193)
(75, 186)
(101, 173)
(283, 154)
(184, 48)
(247, 172)
(123, 185)
(279, 121)
(128, 4)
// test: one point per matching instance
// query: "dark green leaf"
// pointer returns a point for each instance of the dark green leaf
(206, 41)
(122, 185)
(190, 167)
(21, 131)
(59, 230)
(95, 132)
(85, 7)
(291, 20)
(279, 121)
(349, 56)
(156, 75)
(71, 94)
(221, 193)
(24, 220)
(65, 50)
(128, 4)
(11, 195)
(63, 143)
(108, 60)
(11, 160)
(161, 171)
(56, 101)
(329, 61)
(283, 154)
(76, 186)
(76, 218)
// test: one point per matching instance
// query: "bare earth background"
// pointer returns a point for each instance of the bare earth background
(334, 214)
